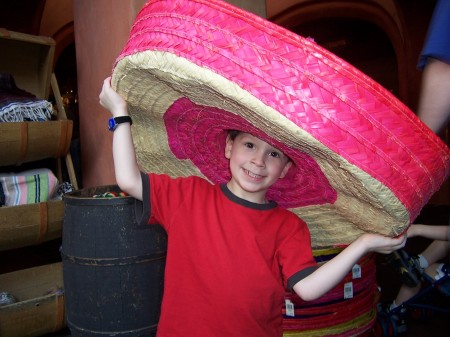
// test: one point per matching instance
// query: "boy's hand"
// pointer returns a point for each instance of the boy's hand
(382, 244)
(111, 100)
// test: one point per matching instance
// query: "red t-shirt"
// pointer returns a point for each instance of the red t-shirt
(228, 259)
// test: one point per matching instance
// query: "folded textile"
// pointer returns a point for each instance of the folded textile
(28, 187)
(2, 196)
(17, 105)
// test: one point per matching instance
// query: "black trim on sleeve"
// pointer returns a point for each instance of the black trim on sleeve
(298, 276)
(142, 208)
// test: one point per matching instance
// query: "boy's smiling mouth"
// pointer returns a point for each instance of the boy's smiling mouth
(253, 175)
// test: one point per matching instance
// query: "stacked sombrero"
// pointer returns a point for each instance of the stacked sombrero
(193, 69)
(349, 309)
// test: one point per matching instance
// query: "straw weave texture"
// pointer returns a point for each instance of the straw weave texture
(200, 67)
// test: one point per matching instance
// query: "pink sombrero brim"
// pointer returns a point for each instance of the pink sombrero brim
(193, 69)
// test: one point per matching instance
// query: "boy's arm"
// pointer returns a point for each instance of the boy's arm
(331, 273)
(127, 171)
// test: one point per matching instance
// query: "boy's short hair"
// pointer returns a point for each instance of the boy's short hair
(233, 134)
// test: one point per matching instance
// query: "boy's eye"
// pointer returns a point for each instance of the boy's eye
(249, 145)
(274, 154)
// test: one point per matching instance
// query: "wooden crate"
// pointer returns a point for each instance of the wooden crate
(31, 224)
(36, 313)
(29, 59)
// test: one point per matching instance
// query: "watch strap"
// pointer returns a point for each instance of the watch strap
(123, 119)
(115, 121)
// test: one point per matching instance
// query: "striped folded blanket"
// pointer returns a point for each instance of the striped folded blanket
(17, 105)
(28, 187)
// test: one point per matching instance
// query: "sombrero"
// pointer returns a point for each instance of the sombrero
(193, 69)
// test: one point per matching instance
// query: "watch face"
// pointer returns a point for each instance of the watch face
(111, 124)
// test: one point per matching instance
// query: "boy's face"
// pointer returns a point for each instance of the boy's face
(255, 166)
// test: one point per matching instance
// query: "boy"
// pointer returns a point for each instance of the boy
(231, 252)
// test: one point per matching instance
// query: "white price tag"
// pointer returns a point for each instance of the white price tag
(356, 271)
(348, 290)
(289, 308)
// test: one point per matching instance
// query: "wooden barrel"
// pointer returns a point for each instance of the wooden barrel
(113, 267)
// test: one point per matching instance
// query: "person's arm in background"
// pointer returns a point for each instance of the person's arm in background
(429, 232)
(434, 60)
(434, 106)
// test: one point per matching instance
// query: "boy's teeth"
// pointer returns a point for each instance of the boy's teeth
(253, 175)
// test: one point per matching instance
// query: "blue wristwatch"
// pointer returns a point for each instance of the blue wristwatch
(113, 122)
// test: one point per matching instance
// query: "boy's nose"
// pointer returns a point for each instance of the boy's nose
(258, 159)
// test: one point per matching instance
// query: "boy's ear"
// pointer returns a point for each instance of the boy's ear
(286, 169)
(228, 146)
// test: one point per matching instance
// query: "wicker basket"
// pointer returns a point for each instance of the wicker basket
(36, 313)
